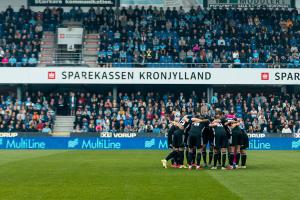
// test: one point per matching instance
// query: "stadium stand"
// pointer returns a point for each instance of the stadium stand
(158, 37)
(32, 114)
(244, 38)
(147, 112)
(21, 34)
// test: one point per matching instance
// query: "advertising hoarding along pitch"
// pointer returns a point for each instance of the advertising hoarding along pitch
(75, 75)
(93, 143)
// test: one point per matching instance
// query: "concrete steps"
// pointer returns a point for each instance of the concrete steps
(47, 48)
(64, 124)
(90, 49)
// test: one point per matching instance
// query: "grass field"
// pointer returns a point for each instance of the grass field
(138, 175)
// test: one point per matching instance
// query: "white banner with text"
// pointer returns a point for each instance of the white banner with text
(75, 75)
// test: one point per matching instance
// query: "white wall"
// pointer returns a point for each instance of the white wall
(298, 4)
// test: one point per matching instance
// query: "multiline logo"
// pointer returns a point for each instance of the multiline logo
(149, 143)
(296, 144)
(73, 143)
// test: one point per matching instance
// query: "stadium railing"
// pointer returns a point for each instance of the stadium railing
(200, 65)
(76, 59)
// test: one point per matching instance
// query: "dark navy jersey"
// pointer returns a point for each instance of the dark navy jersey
(219, 129)
(227, 129)
(196, 128)
(236, 130)
(170, 134)
(186, 125)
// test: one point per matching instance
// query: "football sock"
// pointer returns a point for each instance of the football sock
(223, 159)
(211, 155)
(198, 158)
(171, 155)
(204, 156)
(194, 156)
(231, 157)
(215, 159)
(190, 157)
(181, 157)
(238, 155)
(244, 158)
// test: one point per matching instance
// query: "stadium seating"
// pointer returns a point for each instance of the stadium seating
(236, 38)
(149, 112)
(21, 33)
(155, 37)
(32, 114)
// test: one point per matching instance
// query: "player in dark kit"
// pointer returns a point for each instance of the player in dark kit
(220, 140)
(178, 138)
(235, 143)
(208, 140)
(174, 152)
(244, 146)
(195, 140)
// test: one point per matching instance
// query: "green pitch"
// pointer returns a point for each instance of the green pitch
(138, 175)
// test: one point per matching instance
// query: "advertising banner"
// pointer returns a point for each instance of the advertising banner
(75, 75)
(24, 134)
(250, 3)
(66, 3)
(128, 143)
(69, 36)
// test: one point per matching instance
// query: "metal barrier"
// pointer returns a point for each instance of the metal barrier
(77, 59)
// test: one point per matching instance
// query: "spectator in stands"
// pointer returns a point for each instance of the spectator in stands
(32, 61)
(286, 129)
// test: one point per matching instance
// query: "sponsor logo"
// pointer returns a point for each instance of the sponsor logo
(100, 144)
(163, 144)
(73, 143)
(256, 135)
(61, 35)
(284, 76)
(296, 144)
(8, 134)
(149, 143)
(258, 145)
(51, 75)
(264, 76)
(24, 144)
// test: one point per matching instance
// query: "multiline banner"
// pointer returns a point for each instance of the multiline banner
(74, 75)
(126, 143)
(250, 3)
(66, 3)
(132, 135)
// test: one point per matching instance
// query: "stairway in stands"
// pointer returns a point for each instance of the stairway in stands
(47, 48)
(90, 49)
(63, 125)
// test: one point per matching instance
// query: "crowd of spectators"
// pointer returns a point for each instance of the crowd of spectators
(34, 113)
(21, 32)
(152, 112)
(147, 112)
(232, 36)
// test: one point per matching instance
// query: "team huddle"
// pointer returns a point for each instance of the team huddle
(191, 136)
